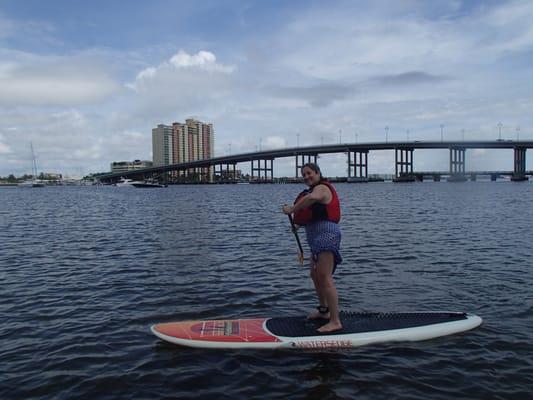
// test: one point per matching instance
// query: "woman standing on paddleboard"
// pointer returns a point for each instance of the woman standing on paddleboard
(318, 209)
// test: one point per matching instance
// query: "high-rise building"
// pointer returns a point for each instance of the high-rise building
(162, 145)
(180, 143)
(193, 129)
(208, 140)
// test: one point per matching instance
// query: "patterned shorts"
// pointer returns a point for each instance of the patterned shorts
(324, 236)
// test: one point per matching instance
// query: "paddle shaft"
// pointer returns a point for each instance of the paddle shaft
(297, 239)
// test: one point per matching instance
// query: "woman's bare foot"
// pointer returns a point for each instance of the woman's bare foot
(330, 327)
(318, 315)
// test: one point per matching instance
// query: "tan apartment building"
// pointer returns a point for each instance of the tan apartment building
(180, 143)
(162, 145)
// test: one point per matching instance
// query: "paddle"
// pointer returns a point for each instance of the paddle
(301, 255)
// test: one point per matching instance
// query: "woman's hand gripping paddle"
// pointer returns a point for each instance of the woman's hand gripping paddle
(293, 228)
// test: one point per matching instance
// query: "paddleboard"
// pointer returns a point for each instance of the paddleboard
(359, 328)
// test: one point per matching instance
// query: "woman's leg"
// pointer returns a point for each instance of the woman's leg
(319, 293)
(326, 287)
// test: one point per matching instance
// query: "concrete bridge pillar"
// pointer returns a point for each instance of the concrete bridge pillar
(263, 170)
(358, 163)
(195, 174)
(404, 165)
(223, 172)
(519, 173)
(183, 175)
(457, 160)
(301, 160)
(203, 174)
(457, 164)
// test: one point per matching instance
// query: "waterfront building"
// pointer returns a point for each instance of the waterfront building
(194, 140)
(162, 145)
(201, 139)
(184, 142)
(180, 138)
(125, 166)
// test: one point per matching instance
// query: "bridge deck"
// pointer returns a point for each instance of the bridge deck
(324, 149)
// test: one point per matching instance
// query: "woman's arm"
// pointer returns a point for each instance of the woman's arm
(320, 194)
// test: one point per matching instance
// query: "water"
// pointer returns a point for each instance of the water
(85, 271)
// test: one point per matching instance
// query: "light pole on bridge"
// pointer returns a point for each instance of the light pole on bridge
(386, 134)
(441, 133)
(500, 130)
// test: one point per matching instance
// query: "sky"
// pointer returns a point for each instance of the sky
(85, 82)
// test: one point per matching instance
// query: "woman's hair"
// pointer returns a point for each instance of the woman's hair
(313, 167)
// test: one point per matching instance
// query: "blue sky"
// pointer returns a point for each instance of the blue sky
(86, 81)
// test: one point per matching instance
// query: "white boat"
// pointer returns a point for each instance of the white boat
(148, 185)
(124, 182)
(31, 183)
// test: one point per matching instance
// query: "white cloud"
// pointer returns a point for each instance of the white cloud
(184, 85)
(147, 73)
(203, 60)
(333, 47)
(180, 63)
(53, 83)
(40, 79)
(512, 30)
(68, 140)
(359, 42)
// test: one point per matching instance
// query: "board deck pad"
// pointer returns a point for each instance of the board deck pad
(359, 329)
(358, 322)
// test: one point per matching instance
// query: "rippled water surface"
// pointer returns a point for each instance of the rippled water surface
(85, 271)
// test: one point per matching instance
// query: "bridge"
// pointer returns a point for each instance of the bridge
(262, 162)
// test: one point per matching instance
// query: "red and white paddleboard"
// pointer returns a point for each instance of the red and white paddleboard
(297, 332)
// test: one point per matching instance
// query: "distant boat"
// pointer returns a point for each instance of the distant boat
(124, 182)
(147, 185)
(32, 182)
